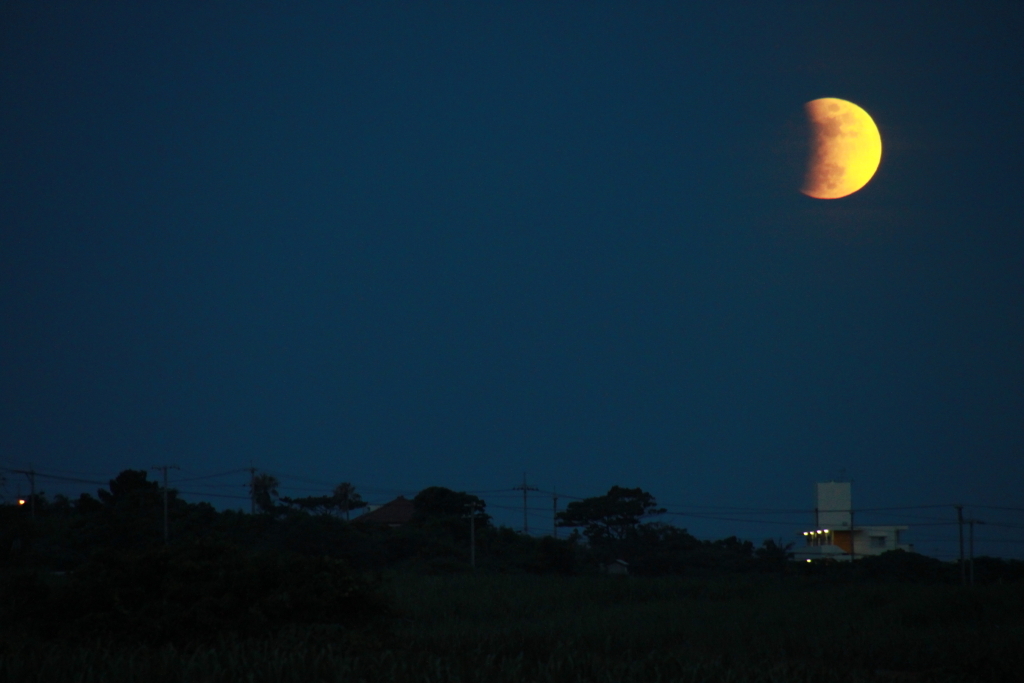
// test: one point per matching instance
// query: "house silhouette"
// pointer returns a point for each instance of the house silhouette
(396, 513)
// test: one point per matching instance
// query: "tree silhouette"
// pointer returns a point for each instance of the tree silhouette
(438, 501)
(131, 487)
(343, 499)
(320, 505)
(264, 491)
(774, 554)
(440, 508)
(346, 499)
(612, 516)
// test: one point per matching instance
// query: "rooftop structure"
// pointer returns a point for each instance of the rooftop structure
(836, 538)
(396, 513)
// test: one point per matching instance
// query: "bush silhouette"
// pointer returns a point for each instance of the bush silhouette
(194, 592)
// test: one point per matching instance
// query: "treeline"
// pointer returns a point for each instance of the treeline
(129, 516)
(100, 566)
(621, 525)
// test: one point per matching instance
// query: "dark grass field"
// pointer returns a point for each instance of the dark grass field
(519, 628)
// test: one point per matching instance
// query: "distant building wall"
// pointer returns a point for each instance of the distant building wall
(875, 540)
(841, 539)
(833, 505)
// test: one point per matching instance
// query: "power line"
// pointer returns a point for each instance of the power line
(735, 519)
(928, 519)
(1005, 526)
(82, 474)
(214, 476)
(702, 508)
(213, 495)
(764, 511)
(207, 486)
(56, 477)
(996, 507)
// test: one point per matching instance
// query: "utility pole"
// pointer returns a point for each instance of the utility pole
(31, 474)
(960, 524)
(972, 522)
(524, 488)
(853, 536)
(164, 468)
(252, 490)
(472, 535)
(554, 513)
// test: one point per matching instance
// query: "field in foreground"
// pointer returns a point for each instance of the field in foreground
(505, 628)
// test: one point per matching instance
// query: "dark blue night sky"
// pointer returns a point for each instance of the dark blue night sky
(414, 244)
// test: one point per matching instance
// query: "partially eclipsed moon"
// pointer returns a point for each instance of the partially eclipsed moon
(845, 148)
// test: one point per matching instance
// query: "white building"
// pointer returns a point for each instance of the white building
(835, 537)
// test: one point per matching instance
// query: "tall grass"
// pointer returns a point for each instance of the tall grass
(547, 629)
(755, 624)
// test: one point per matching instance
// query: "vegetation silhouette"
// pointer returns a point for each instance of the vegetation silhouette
(95, 571)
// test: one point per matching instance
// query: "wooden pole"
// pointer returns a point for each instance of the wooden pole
(524, 488)
(554, 514)
(167, 529)
(960, 524)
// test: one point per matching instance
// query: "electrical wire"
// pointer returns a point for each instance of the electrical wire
(57, 477)
(723, 513)
(1004, 526)
(211, 476)
(215, 495)
(995, 507)
(736, 519)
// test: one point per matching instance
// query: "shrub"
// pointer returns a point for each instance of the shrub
(195, 592)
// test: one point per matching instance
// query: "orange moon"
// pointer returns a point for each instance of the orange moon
(846, 148)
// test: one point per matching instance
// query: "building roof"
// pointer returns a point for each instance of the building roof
(399, 511)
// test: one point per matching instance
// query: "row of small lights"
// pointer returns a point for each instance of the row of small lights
(815, 533)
